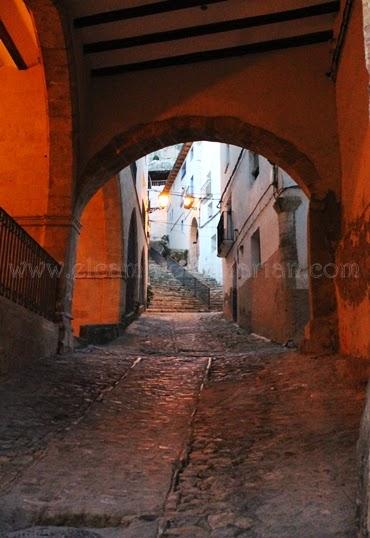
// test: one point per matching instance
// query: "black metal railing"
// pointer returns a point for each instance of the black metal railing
(190, 282)
(220, 232)
(29, 276)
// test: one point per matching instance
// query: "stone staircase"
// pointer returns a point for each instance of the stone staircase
(168, 293)
(216, 291)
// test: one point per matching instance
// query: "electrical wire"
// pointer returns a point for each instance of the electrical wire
(201, 197)
(173, 224)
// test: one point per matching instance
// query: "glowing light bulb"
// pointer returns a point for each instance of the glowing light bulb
(163, 200)
(189, 201)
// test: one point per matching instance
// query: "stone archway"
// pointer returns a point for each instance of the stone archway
(51, 32)
(37, 148)
(324, 206)
(131, 145)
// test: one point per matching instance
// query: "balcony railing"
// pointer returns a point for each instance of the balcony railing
(28, 274)
(225, 232)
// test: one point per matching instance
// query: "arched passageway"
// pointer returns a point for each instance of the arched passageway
(36, 149)
(143, 279)
(281, 104)
(324, 213)
(132, 268)
(306, 126)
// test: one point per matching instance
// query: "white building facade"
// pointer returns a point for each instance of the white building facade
(262, 239)
(193, 209)
(160, 164)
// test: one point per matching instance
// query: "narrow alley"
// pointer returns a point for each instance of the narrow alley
(185, 426)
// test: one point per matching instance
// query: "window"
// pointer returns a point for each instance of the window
(192, 153)
(183, 171)
(207, 188)
(182, 225)
(256, 249)
(213, 242)
(254, 165)
(191, 189)
(210, 210)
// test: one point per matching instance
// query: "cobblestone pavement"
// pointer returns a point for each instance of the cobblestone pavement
(186, 427)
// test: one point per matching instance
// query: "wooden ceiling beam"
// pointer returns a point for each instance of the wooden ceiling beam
(11, 47)
(155, 8)
(216, 54)
(213, 28)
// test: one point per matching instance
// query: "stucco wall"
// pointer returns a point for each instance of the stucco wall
(222, 89)
(270, 301)
(98, 272)
(24, 336)
(353, 122)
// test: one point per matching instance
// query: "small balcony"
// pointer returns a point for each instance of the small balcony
(225, 234)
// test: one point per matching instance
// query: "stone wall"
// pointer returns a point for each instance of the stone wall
(24, 336)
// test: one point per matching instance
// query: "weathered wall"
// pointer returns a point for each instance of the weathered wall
(268, 307)
(98, 295)
(24, 336)
(273, 298)
(352, 96)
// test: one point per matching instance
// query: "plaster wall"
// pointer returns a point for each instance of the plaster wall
(98, 272)
(284, 113)
(352, 98)
(269, 301)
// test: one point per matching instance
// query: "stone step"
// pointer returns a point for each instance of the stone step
(169, 295)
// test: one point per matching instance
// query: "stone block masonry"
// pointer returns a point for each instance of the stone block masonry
(24, 336)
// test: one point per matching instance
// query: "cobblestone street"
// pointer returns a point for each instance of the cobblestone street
(185, 426)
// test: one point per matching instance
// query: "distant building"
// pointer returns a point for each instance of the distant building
(160, 163)
(194, 188)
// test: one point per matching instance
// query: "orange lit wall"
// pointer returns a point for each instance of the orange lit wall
(24, 165)
(24, 140)
(98, 284)
(353, 125)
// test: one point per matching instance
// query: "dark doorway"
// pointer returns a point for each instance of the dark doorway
(235, 293)
(132, 267)
(142, 296)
